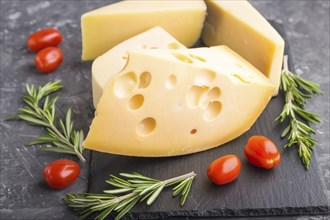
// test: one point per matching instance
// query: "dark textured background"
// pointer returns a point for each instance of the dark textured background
(23, 194)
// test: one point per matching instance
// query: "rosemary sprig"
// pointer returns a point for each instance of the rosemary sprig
(126, 194)
(63, 139)
(297, 90)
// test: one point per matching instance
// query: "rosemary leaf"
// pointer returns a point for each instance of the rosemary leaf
(146, 196)
(115, 184)
(105, 213)
(181, 185)
(43, 139)
(32, 120)
(117, 191)
(155, 194)
(185, 192)
(62, 127)
(81, 139)
(68, 122)
(126, 209)
(137, 176)
(148, 189)
(124, 202)
(120, 181)
(57, 150)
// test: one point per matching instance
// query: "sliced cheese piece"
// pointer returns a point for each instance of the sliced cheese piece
(106, 27)
(113, 61)
(240, 26)
(175, 102)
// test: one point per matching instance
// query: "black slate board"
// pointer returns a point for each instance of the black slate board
(286, 190)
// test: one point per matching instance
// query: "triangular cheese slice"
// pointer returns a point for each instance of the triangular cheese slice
(175, 102)
(113, 61)
(241, 27)
(106, 27)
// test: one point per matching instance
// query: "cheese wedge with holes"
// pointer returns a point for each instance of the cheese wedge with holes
(175, 102)
(240, 26)
(106, 27)
(113, 61)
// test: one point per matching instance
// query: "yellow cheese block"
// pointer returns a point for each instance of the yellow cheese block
(240, 26)
(175, 102)
(113, 61)
(106, 27)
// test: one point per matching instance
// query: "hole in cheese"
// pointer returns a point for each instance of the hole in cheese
(136, 102)
(212, 111)
(182, 57)
(146, 126)
(124, 57)
(173, 46)
(153, 47)
(197, 57)
(170, 82)
(214, 93)
(145, 80)
(205, 77)
(125, 84)
(193, 131)
(195, 94)
(240, 78)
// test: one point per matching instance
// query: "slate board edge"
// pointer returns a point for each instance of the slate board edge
(225, 212)
(287, 211)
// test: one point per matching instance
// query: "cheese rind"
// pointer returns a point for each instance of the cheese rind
(113, 61)
(167, 102)
(108, 26)
(240, 26)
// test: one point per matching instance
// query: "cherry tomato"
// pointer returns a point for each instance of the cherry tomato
(49, 59)
(262, 152)
(61, 173)
(39, 40)
(224, 169)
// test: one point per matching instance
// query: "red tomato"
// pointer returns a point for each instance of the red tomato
(224, 169)
(39, 40)
(262, 152)
(61, 173)
(49, 59)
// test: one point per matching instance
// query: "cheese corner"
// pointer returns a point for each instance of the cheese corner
(240, 26)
